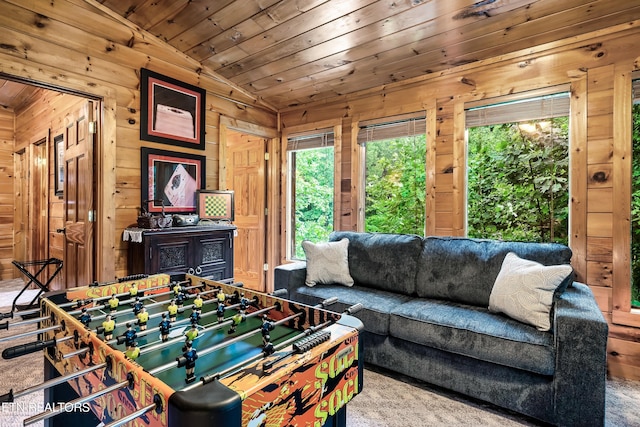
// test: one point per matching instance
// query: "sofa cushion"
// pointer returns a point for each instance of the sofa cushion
(388, 262)
(377, 304)
(327, 262)
(525, 290)
(474, 332)
(464, 270)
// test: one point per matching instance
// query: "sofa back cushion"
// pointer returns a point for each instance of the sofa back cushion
(388, 262)
(464, 270)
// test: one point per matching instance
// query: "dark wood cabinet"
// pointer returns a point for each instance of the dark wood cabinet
(206, 251)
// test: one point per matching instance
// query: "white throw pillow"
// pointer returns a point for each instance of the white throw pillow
(327, 263)
(524, 290)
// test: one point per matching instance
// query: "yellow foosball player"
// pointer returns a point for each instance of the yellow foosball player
(143, 318)
(197, 304)
(173, 310)
(133, 290)
(108, 326)
(113, 303)
(132, 351)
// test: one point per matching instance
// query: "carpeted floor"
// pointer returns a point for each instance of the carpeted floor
(387, 400)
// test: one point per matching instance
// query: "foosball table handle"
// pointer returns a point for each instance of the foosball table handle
(23, 349)
(354, 309)
(7, 397)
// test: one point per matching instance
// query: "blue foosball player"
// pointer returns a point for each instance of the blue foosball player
(165, 327)
(190, 356)
(130, 335)
(244, 303)
(137, 306)
(85, 318)
(180, 299)
(268, 347)
(266, 328)
(220, 312)
(194, 317)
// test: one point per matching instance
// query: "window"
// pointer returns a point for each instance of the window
(394, 174)
(635, 196)
(518, 170)
(310, 189)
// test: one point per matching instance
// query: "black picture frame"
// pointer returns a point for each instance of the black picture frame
(58, 165)
(171, 179)
(171, 112)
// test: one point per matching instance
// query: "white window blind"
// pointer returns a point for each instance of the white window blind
(392, 127)
(314, 139)
(541, 107)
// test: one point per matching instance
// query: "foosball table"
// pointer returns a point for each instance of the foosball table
(198, 352)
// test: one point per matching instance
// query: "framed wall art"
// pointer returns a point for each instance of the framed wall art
(58, 165)
(171, 179)
(171, 112)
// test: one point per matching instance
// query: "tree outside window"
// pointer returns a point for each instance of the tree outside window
(518, 181)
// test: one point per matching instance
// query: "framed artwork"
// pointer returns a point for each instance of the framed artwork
(171, 112)
(215, 205)
(172, 179)
(58, 165)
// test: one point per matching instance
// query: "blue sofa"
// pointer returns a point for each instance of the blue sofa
(426, 315)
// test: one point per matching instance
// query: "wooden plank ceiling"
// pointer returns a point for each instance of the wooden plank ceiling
(292, 52)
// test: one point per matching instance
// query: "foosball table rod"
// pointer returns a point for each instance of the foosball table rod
(11, 396)
(129, 382)
(29, 333)
(181, 360)
(170, 365)
(129, 300)
(238, 366)
(157, 405)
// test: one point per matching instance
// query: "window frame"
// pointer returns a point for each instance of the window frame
(359, 161)
(621, 311)
(513, 99)
(287, 133)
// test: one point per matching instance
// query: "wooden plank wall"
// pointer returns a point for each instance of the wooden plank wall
(588, 63)
(84, 47)
(7, 117)
(48, 115)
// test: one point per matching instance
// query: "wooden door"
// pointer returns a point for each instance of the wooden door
(21, 209)
(79, 214)
(38, 201)
(245, 161)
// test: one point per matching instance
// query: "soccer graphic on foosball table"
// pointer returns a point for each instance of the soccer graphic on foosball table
(198, 352)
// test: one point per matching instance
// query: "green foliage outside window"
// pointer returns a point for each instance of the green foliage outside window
(395, 185)
(635, 210)
(313, 196)
(518, 180)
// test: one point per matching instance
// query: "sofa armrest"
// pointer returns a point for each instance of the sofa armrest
(581, 357)
(290, 276)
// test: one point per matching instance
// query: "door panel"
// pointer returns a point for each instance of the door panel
(246, 176)
(79, 199)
